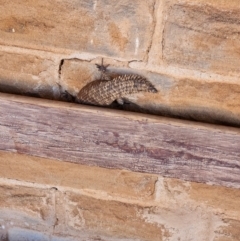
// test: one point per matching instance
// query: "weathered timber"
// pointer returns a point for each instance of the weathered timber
(116, 139)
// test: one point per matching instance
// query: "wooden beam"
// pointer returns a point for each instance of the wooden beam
(116, 139)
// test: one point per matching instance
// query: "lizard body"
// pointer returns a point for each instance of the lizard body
(103, 92)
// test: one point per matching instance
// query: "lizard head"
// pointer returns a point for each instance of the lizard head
(102, 68)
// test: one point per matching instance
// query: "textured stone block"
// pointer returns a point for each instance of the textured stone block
(115, 28)
(203, 37)
(93, 180)
(217, 198)
(26, 207)
(75, 74)
(206, 212)
(110, 218)
(22, 73)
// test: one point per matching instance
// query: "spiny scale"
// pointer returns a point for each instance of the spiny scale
(104, 92)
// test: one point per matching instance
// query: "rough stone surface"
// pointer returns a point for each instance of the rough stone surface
(28, 74)
(76, 74)
(110, 217)
(115, 28)
(118, 183)
(203, 37)
(203, 207)
(26, 207)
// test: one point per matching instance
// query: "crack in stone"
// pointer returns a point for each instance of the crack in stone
(60, 68)
(154, 15)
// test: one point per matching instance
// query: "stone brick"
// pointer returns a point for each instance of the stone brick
(28, 74)
(216, 197)
(26, 207)
(217, 213)
(115, 183)
(109, 218)
(75, 74)
(203, 37)
(213, 197)
(182, 216)
(115, 28)
(211, 211)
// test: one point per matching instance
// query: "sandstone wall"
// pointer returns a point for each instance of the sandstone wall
(188, 49)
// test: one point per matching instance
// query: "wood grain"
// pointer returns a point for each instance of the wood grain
(116, 139)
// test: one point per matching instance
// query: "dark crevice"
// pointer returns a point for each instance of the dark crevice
(60, 68)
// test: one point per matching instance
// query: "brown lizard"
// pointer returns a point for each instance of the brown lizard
(105, 91)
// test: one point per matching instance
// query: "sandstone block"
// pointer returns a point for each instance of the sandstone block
(110, 218)
(217, 198)
(92, 180)
(211, 212)
(26, 207)
(202, 37)
(191, 193)
(28, 74)
(75, 74)
(116, 28)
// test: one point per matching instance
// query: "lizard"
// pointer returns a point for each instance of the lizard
(106, 90)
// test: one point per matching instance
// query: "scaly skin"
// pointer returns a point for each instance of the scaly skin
(104, 92)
